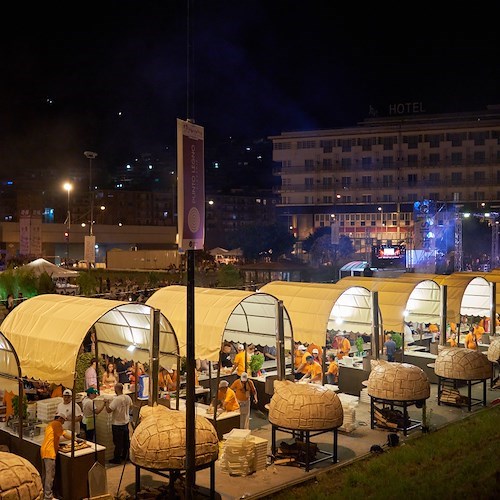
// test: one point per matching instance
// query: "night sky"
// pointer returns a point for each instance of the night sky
(111, 76)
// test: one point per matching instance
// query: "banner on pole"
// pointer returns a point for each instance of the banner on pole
(89, 250)
(190, 185)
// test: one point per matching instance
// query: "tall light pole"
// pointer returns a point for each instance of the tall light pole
(89, 245)
(381, 212)
(68, 187)
(91, 156)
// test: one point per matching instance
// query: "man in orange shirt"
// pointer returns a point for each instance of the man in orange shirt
(226, 397)
(470, 341)
(239, 360)
(478, 331)
(244, 389)
(313, 371)
(344, 346)
(332, 374)
(453, 340)
(48, 452)
(300, 371)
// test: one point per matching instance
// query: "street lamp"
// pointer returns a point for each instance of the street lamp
(91, 156)
(68, 187)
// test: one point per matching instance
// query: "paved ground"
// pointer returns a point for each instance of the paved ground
(351, 446)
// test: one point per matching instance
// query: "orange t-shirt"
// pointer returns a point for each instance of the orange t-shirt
(479, 331)
(53, 433)
(57, 392)
(333, 368)
(311, 347)
(470, 341)
(7, 399)
(297, 358)
(314, 369)
(230, 403)
(243, 394)
(344, 348)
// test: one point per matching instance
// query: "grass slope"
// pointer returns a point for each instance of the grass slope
(458, 461)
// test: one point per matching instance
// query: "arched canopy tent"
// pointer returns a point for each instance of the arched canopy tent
(352, 311)
(476, 300)
(400, 300)
(46, 333)
(9, 365)
(353, 268)
(233, 315)
(310, 307)
(417, 297)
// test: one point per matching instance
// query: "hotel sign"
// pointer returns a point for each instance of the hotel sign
(406, 108)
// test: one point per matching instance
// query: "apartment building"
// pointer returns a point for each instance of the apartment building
(367, 181)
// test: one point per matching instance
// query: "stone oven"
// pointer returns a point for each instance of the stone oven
(19, 479)
(462, 364)
(304, 407)
(159, 441)
(305, 410)
(456, 367)
(393, 386)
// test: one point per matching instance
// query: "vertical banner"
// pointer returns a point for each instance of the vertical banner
(190, 185)
(89, 250)
(36, 234)
(24, 232)
(335, 233)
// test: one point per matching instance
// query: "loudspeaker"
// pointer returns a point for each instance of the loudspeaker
(392, 439)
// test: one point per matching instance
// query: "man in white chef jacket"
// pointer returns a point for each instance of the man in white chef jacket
(65, 408)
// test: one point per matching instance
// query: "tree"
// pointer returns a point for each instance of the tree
(88, 283)
(229, 276)
(46, 284)
(311, 239)
(323, 252)
(264, 242)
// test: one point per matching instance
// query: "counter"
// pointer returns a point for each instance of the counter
(226, 421)
(71, 481)
(264, 385)
(351, 377)
(422, 360)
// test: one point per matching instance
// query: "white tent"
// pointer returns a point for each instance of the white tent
(39, 266)
(46, 333)
(233, 315)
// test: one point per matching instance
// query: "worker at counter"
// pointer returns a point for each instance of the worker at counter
(65, 408)
(344, 346)
(239, 360)
(48, 451)
(90, 409)
(314, 372)
(332, 374)
(226, 397)
(300, 371)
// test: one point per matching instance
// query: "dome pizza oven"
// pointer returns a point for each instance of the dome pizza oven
(462, 364)
(304, 407)
(159, 441)
(398, 382)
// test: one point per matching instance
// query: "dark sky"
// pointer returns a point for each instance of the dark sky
(257, 68)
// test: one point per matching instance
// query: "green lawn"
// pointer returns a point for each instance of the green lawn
(459, 461)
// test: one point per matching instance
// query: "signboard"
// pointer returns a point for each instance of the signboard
(190, 185)
(384, 256)
(30, 233)
(335, 234)
(89, 250)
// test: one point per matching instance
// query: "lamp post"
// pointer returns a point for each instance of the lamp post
(91, 156)
(67, 187)
(89, 245)
(381, 211)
